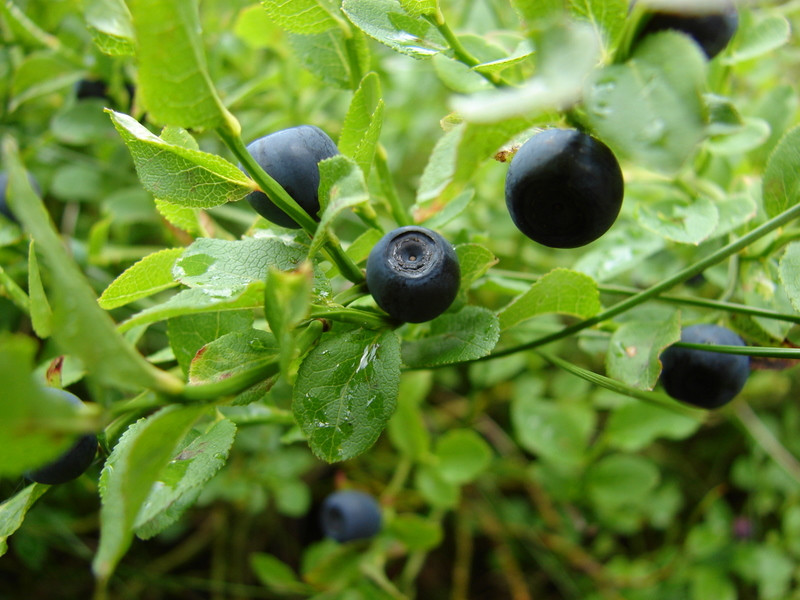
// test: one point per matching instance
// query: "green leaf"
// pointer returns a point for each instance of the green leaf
(326, 56)
(302, 16)
(189, 333)
(462, 455)
(475, 260)
(557, 432)
(41, 313)
(605, 16)
(680, 219)
(82, 123)
(194, 463)
(287, 300)
(635, 425)
(407, 430)
(467, 334)
(789, 271)
(434, 489)
(342, 186)
(781, 185)
(173, 81)
(650, 109)
(618, 251)
(111, 26)
(198, 301)
(621, 480)
(80, 326)
(222, 267)
(560, 291)
(634, 349)
(566, 55)
(233, 353)
(749, 136)
(363, 122)
(388, 23)
(40, 74)
(178, 174)
(759, 39)
(346, 392)
(13, 510)
(276, 575)
(415, 532)
(149, 276)
(182, 217)
(129, 474)
(416, 8)
(709, 582)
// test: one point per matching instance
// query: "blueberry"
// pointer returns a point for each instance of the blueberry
(564, 188)
(350, 515)
(291, 158)
(74, 462)
(413, 274)
(4, 209)
(712, 31)
(700, 377)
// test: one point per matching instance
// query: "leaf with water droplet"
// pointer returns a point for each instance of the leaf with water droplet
(346, 391)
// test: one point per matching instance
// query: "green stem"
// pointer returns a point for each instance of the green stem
(15, 293)
(654, 291)
(351, 294)
(287, 204)
(399, 213)
(792, 353)
(363, 318)
(764, 438)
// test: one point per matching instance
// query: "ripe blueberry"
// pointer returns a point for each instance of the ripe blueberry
(700, 377)
(564, 188)
(74, 462)
(712, 31)
(290, 157)
(4, 209)
(413, 274)
(350, 515)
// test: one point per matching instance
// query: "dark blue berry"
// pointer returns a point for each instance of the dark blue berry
(700, 377)
(711, 31)
(291, 158)
(413, 274)
(72, 463)
(564, 188)
(350, 515)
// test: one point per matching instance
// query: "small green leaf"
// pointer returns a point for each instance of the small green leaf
(790, 273)
(363, 122)
(467, 334)
(651, 108)
(111, 26)
(326, 56)
(560, 291)
(346, 391)
(233, 353)
(13, 510)
(388, 23)
(276, 575)
(173, 81)
(434, 489)
(287, 300)
(680, 219)
(621, 249)
(415, 8)
(606, 16)
(781, 185)
(41, 313)
(149, 276)
(182, 217)
(416, 532)
(621, 480)
(635, 425)
(407, 429)
(302, 16)
(462, 455)
(189, 333)
(634, 349)
(759, 39)
(192, 465)
(475, 260)
(130, 472)
(178, 174)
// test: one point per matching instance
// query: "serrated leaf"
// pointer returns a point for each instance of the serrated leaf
(41, 313)
(233, 353)
(182, 217)
(560, 291)
(680, 219)
(346, 391)
(634, 349)
(388, 23)
(189, 333)
(790, 273)
(301, 16)
(198, 301)
(178, 174)
(342, 186)
(606, 16)
(363, 122)
(650, 108)
(128, 475)
(467, 334)
(173, 81)
(461, 456)
(149, 276)
(416, 8)
(13, 510)
(111, 26)
(474, 260)
(80, 326)
(195, 462)
(781, 185)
